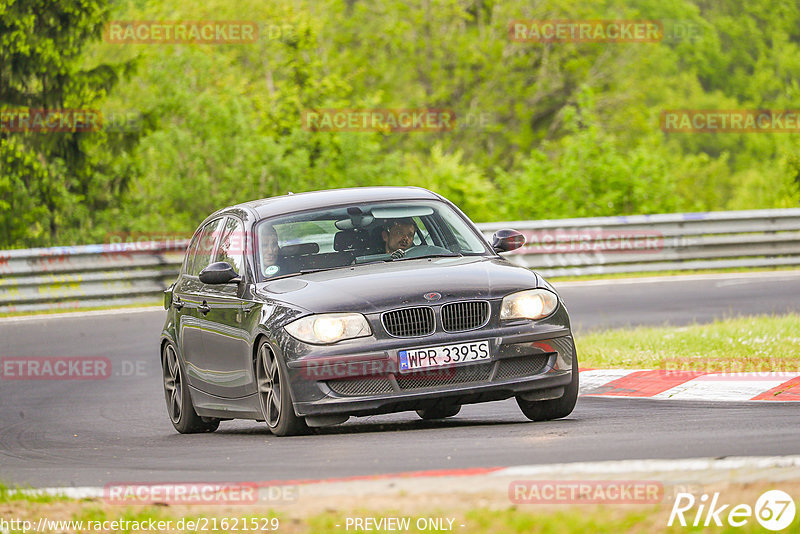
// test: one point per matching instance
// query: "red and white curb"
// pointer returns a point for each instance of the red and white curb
(690, 385)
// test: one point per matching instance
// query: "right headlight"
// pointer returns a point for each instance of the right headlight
(329, 328)
(529, 304)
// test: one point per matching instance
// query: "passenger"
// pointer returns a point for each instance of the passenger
(270, 249)
(398, 235)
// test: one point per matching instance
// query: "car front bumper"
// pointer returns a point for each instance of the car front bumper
(533, 363)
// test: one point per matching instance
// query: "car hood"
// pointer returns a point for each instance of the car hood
(375, 287)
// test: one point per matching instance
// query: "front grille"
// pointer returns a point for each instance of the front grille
(445, 376)
(462, 316)
(518, 367)
(409, 322)
(356, 387)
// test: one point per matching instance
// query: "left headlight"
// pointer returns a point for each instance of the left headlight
(329, 328)
(530, 304)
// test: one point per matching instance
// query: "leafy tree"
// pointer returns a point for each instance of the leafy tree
(544, 130)
(50, 181)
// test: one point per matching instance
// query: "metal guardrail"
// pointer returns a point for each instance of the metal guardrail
(653, 243)
(87, 275)
(131, 272)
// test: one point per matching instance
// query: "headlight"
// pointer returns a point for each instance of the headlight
(329, 327)
(530, 304)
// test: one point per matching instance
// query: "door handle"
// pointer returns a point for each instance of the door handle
(177, 303)
(204, 308)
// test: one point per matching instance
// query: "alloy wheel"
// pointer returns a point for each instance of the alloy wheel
(173, 384)
(269, 386)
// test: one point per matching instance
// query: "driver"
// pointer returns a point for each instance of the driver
(398, 235)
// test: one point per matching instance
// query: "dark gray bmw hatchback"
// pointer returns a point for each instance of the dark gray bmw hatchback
(303, 310)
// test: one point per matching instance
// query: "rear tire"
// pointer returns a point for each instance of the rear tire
(439, 412)
(555, 408)
(179, 402)
(274, 396)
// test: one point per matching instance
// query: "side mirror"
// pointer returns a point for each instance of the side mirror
(168, 296)
(220, 272)
(506, 240)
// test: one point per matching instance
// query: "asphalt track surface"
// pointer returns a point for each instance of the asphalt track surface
(90, 433)
(679, 300)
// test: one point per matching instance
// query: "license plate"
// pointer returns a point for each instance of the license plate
(443, 356)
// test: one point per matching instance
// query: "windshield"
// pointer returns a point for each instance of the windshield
(330, 238)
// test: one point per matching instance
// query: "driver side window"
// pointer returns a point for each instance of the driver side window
(231, 245)
(205, 246)
(191, 250)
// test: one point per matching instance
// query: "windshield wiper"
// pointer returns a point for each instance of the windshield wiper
(305, 271)
(433, 255)
(372, 262)
(320, 269)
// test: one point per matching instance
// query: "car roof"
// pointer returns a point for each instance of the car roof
(274, 206)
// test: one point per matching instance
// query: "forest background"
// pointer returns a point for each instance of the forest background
(543, 130)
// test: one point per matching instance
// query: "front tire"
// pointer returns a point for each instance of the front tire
(274, 396)
(555, 408)
(179, 402)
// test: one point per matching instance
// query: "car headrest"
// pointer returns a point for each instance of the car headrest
(347, 240)
(299, 249)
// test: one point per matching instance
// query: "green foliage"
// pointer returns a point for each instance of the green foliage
(461, 183)
(54, 183)
(543, 130)
(587, 173)
(22, 188)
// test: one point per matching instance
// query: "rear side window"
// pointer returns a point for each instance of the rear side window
(205, 246)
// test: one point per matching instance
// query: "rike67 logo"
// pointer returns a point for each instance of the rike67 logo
(774, 510)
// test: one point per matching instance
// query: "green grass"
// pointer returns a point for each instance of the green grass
(747, 344)
(20, 494)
